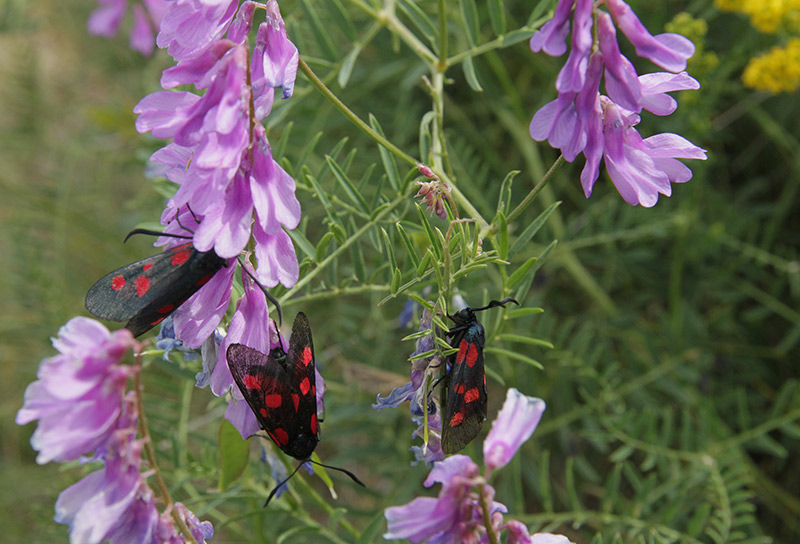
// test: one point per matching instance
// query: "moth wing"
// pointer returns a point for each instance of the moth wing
(301, 364)
(465, 407)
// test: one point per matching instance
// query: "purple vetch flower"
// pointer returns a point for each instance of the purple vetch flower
(189, 26)
(274, 63)
(78, 396)
(166, 533)
(583, 120)
(640, 168)
(106, 19)
(670, 51)
(514, 424)
(558, 123)
(165, 339)
(434, 193)
(549, 538)
(242, 23)
(454, 516)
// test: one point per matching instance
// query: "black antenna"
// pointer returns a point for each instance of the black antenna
(155, 233)
(496, 303)
(309, 460)
(272, 299)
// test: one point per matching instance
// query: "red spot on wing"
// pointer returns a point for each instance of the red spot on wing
(305, 385)
(142, 285)
(313, 389)
(251, 382)
(166, 309)
(472, 355)
(181, 256)
(462, 351)
(280, 437)
(147, 267)
(314, 423)
(157, 321)
(296, 400)
(263, 412)
(117, 283)
(272, 401)
(457, 419)
(484, 380)
(459, 389)
(472, 395)
(307, 355)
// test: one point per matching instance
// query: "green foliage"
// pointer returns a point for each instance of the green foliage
(664, 341)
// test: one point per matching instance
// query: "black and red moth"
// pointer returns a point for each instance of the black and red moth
(147, 291)
(465, 399)
(280, 388)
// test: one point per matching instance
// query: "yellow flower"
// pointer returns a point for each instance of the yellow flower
(768, 16)
(776, 71)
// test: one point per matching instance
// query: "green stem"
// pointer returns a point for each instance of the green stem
(347, 243)
(442, 34)
(536, 190)
(151, 454)
(487, 517)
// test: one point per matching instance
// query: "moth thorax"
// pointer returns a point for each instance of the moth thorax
(278, 354)
(464, 316)
(302, 446)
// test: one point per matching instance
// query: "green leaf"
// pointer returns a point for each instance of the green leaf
(525, 283)
(425, 136)
(520, 272)
(322, 246)
(525, 340)
(516, 36)
(491, 373)
(389, 165)
(319, 31)
(514, 355)
(338, 232)
(302, 242)
(532, 229)
(323, 475)
(347, 66)
(504, 200)
(359, 266)
(469, 12)
(432, 238)
(501, 236)
(412, 252)
(429, 353)
(289, 534)
(420, 20)
(389, 248)
(698, 519)
(279, 150)
(342, 19)
(424, 263)
(323, 198)
(347, 185)
(233, 454)
(498, 16)
(307, 150)
(397, 277)
(522, 312)
(421, 301)
(470, 75)
(415, 335)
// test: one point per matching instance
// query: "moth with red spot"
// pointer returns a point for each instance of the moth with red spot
(280, 388)
(464, 396)
(147, 291)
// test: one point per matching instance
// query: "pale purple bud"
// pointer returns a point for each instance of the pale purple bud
(552, 37)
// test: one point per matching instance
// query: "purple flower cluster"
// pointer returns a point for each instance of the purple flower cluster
(456, 515)
(230, 188)
(106, 19)
(82, 409)
(602, 126)
(423, 371)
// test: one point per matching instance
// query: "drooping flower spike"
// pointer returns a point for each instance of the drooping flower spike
(600, 126)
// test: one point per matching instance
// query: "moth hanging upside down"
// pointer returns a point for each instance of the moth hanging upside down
(280, 388)
(464, 395)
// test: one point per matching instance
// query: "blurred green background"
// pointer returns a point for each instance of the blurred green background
(676, 329)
